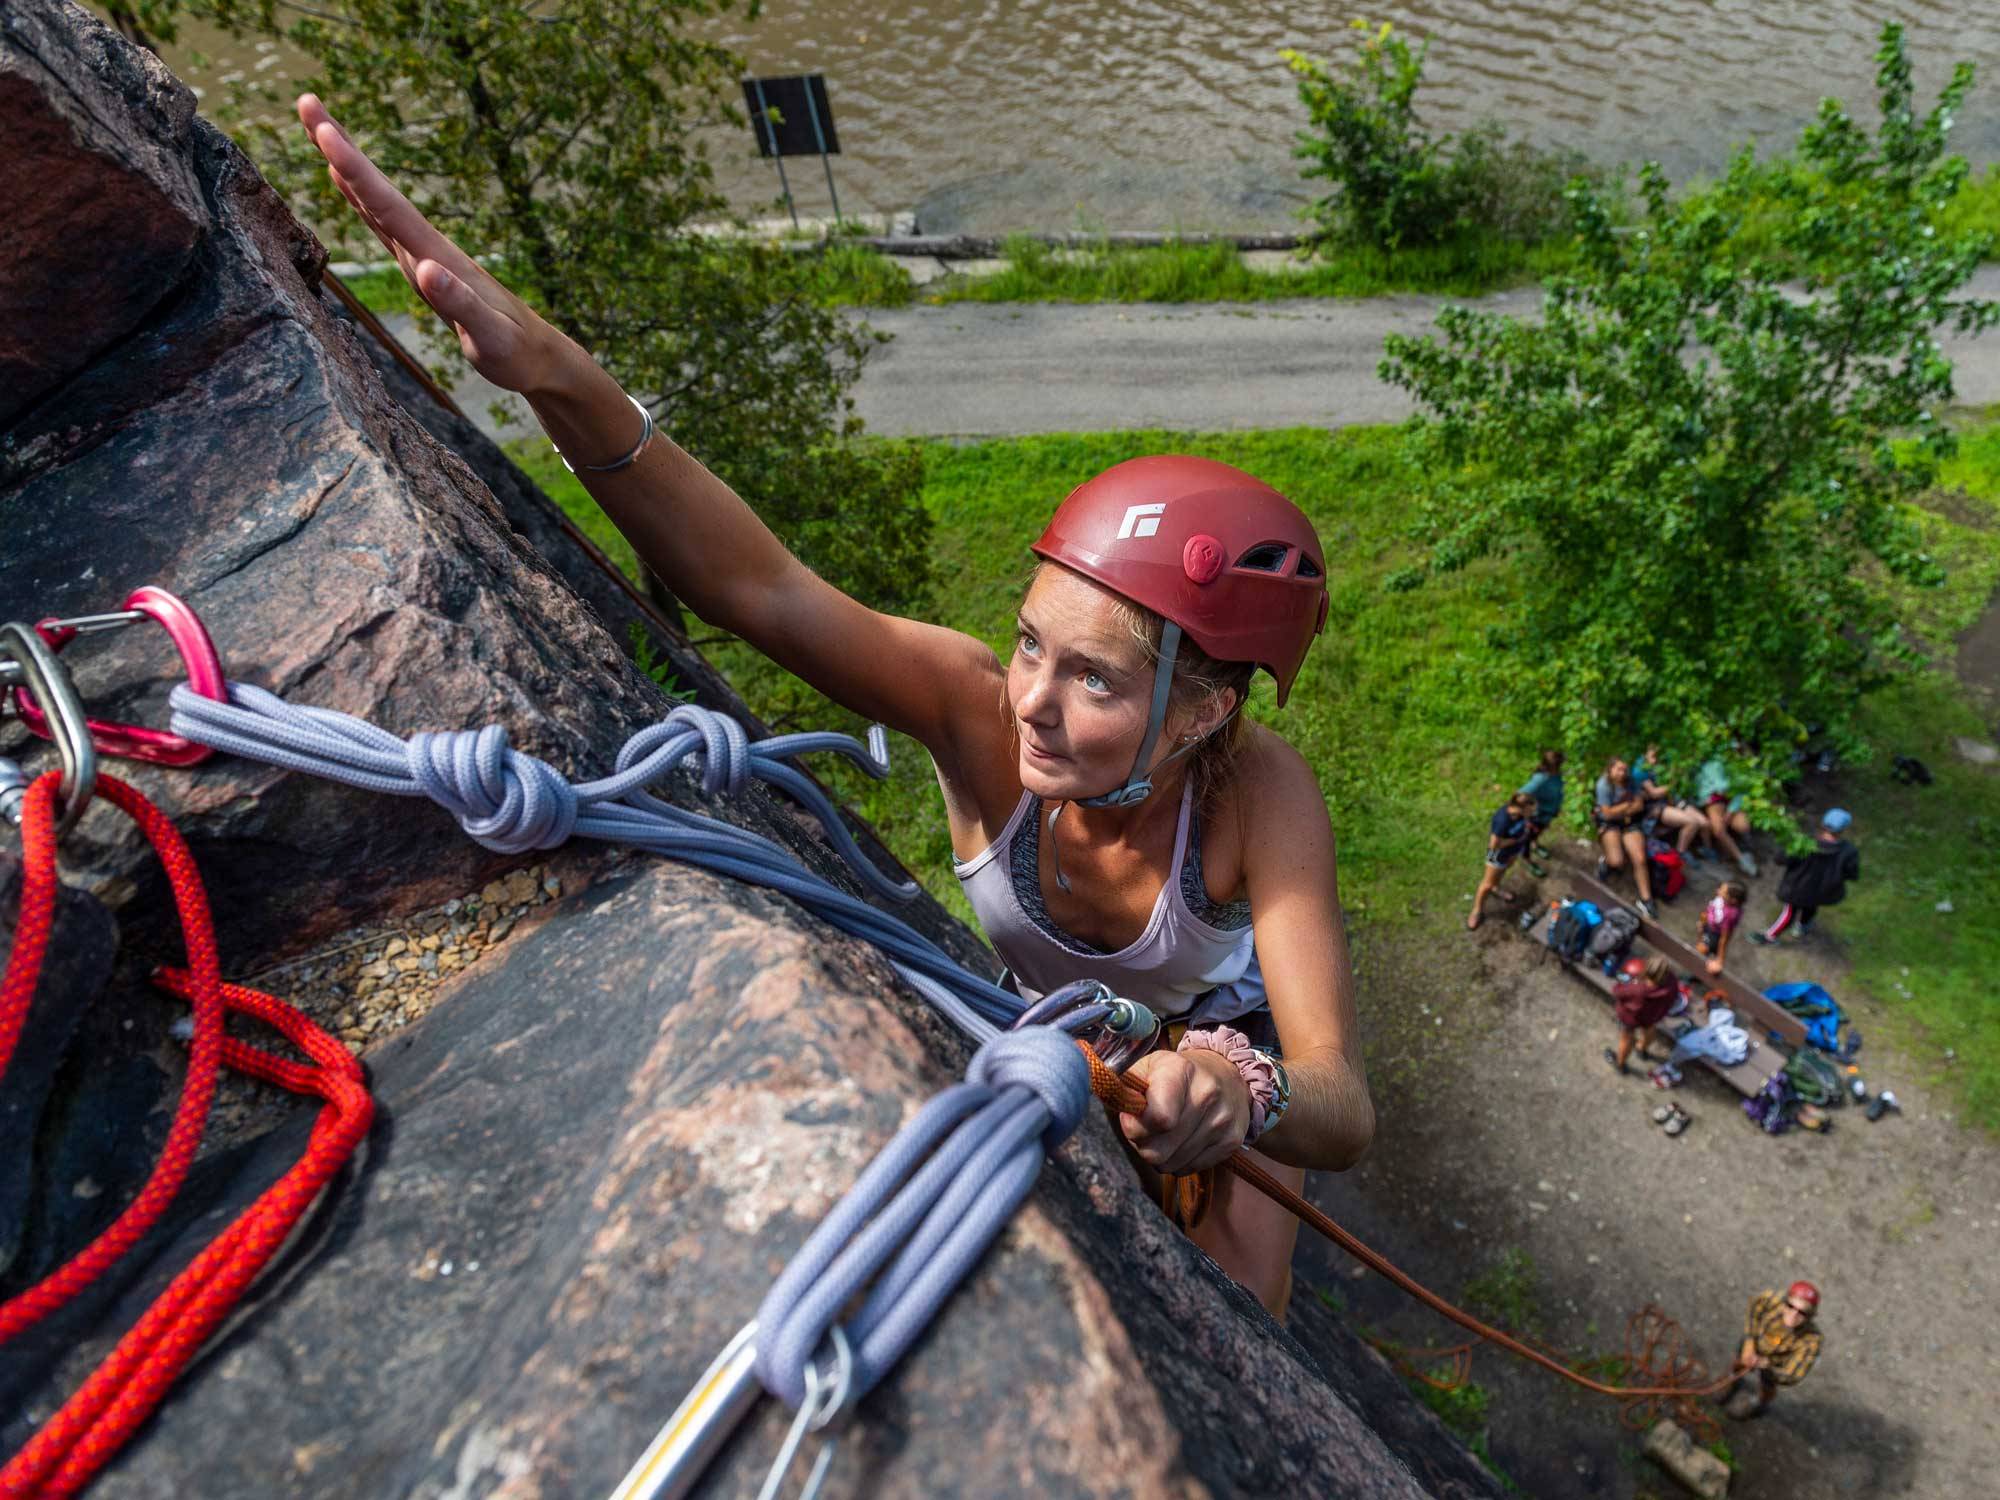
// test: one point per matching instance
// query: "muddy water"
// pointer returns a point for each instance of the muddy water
(1177, 113)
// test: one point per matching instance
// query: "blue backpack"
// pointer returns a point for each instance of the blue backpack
(1571, 929)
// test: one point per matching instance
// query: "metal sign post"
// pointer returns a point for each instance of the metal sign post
(792, 117)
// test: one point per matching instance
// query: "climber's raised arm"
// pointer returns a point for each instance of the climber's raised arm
(685, 524)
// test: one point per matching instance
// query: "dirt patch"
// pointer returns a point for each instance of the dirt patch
(1502, 1129)
(1978, 663)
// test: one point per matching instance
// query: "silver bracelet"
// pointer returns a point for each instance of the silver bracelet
(645, 437)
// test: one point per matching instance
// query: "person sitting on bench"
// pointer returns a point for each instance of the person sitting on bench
(1620, 805)
(1664, 810)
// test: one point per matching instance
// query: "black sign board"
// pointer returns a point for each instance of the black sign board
(791, 115)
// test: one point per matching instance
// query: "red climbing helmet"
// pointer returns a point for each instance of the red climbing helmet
(1222, 555)
(1805, 1292)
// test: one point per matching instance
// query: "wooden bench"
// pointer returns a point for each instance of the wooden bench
(1760, 1064)
(1753, 1012)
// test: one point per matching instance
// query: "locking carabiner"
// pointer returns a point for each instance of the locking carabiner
(133, 741)
(26, 660)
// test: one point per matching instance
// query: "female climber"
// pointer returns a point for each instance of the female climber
(1113, 814)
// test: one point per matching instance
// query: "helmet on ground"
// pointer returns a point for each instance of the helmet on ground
(1221, 554)
(1214, 552)
(1805, 1292)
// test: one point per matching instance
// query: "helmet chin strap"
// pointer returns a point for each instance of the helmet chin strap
(1139, 785)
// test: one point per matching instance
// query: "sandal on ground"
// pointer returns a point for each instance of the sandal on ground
(1678, 1121)
(1663, 1114)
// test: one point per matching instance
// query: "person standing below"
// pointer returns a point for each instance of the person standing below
(1815, 879)
(1779, 1347)
(1718, 924)
(1507, 834)
(1641, 1002)
(1620, 804)
(1546, 787)
(1727, 822)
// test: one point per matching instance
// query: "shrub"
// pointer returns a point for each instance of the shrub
(1395, 181)
(1396, 185)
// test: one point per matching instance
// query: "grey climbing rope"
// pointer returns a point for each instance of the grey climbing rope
(932, 1199)
(514, 802)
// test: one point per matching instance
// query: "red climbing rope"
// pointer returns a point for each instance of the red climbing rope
(24, 967)
(122, 1392)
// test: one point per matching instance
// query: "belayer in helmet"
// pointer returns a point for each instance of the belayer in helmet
(1117, 818)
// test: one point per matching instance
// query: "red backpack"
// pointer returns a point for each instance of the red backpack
(1668, 869)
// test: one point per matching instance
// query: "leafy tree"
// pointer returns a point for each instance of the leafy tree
(559, 138)
(1697, 473)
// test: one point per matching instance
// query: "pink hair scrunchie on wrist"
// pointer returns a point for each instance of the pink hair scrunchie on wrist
(1259, 1072)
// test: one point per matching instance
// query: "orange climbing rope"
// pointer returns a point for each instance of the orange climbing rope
(1678, 1384)
(122, 1392)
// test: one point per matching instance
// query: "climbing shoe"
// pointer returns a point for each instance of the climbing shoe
(1883, 1103)
(1651, 909)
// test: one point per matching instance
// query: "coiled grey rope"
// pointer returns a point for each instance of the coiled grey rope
(969, 1156)
(514, 802)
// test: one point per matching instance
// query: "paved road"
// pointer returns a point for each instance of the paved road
(975, 369)
(972, 369)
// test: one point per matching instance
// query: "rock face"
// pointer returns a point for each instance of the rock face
(610, 1129)
(103, 213)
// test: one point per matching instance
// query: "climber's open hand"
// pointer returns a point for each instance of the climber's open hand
(1197, 1110)
(504, 339)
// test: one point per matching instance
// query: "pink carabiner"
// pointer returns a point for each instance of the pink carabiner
(134, 741)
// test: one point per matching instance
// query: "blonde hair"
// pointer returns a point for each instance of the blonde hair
(1198, 677)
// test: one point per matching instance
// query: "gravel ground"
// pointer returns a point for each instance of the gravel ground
(1502, 1128)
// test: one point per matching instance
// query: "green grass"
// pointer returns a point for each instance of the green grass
(1504, 1293)
(384, 292)
(1216, 273)
(1405, 711)
(846, 275)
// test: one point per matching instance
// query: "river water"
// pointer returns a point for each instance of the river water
(1164, 114)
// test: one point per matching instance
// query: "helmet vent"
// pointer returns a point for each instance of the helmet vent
(1265, 557)
(1307, 567)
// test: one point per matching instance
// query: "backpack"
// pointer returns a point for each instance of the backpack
(1668, 868)
(1569, 932)
(1613, 937)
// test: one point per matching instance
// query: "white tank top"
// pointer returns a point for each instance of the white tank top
(1180, 966)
